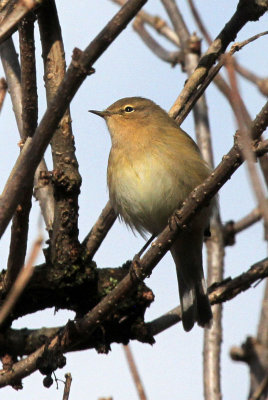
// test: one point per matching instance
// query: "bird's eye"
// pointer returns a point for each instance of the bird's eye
(129, 109)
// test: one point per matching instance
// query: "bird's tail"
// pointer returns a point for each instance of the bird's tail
(187, 254)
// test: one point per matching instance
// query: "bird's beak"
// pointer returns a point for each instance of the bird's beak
(102, 114)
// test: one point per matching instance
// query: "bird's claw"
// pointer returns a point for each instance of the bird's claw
(136, 270)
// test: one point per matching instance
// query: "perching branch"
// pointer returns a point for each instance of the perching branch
(74, 332)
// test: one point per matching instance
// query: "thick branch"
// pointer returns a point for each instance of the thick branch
(66, 178)
(219, 293)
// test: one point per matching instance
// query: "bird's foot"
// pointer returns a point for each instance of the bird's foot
(136, 270)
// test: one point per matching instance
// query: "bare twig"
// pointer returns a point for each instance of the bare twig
(20, 222)
(11, 67)
(261, 389)
(43, 192)
(262, 83)
(196, 93)
(230, 229)
(19, 11)
(155, 22)
(80, 67)
(21, 281)
(3, 91)
(172, 57)
(67, 386)
(241, 16)
(218, 293)
(213, 336)
(98, 232)
(134, 372)
(246, 148)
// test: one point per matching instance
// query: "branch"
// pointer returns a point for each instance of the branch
(67, 386)
(230, 229)
(261, 83)
(43, 189)
(79, 68)
(218, 293)
(193, 98)
(3, 91)
(19, 11)
(134, 372)
(246, 144)
(21, 281)
(20, 222)
(172, 57)
(64, 246)
(98, 232)
(74, 332)
(242, 15)
(155, 22)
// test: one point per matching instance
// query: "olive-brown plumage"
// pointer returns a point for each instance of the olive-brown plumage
(153, 166)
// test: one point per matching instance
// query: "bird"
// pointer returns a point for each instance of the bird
(153, 166)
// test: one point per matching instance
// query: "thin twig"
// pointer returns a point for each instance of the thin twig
(67, 386)
(172, 57)
(155, 22)
(230, 229)
(262, 83)
(20, 222)
(261, 389)
(3, 91)
(43, 192)
(11, 66)
(195, 94)
(19, 11)
(134, 372)
(21, 281)
(98, 232)
(246, 141)
(241, 16)
(218, 293)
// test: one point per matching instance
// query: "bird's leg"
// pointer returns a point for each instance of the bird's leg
(135, 267)
(149, 241)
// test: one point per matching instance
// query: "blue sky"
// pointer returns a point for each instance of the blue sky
(172, 368)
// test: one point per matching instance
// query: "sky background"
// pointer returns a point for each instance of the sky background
(172, 367)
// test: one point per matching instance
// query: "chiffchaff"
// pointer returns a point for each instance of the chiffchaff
(153, 166)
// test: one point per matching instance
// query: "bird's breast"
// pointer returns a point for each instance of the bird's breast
(145, 187)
